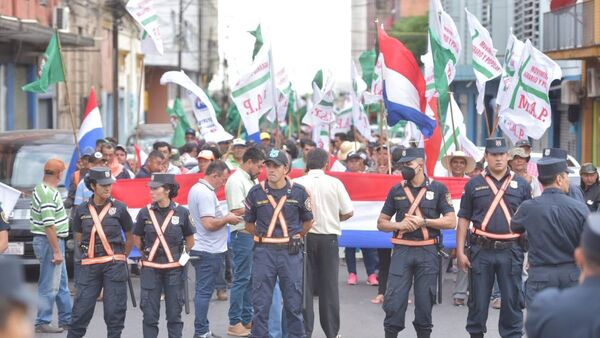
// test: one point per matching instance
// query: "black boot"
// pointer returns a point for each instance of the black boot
(391, 334)
(476, 335)
(423, 334)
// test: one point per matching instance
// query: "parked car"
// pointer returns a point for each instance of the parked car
(22, 158)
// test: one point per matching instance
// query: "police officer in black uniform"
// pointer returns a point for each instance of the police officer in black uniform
(278, 214)
(161, 269)
(489, 201)
(574, 191)
(417, 203)
(97, 225)
(572, 312)
(553, 222)
(590, 185)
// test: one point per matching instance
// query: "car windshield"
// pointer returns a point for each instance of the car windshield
(28, 167)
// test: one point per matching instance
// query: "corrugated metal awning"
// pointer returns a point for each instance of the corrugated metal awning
(31, 31)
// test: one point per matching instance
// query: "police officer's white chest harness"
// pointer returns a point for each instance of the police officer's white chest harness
(160, 241)
(277, 216)
(414, 209)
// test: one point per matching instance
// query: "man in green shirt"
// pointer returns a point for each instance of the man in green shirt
(50, 227)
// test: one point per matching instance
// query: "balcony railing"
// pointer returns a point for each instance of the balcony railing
(570, 27)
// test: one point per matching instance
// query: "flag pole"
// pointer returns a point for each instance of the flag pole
(496, 121)
(450, 98)
(239, 131)
(487, 123)
(141, 103)
(73, 122)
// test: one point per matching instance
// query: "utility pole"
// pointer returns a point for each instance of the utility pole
(117, 12)
(180, 43)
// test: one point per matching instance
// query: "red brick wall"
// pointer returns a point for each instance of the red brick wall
(29, 9)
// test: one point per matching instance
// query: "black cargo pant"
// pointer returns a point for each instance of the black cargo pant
(506, 264)
(91, 280)
(420, 264)
(154, 282)
(560, 276)
(323, 265)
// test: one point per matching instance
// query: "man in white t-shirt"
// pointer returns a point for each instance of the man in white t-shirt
(210, 240)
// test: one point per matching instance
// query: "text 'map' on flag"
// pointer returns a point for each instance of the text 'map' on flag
(512, 59)
(143, 13)
(89, 132)
(527, 102)
(50, 69)
(252, 93)
(204, 112)
(485, 64)
(403, 85)
(445, 47)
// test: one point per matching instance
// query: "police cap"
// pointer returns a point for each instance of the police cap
(411, 154)
(550, 166)
(555, 153)
(495, 145)
(590, 238)
(278, 157)
(101, 175)
(158, 180)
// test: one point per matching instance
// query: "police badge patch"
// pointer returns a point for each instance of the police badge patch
(308, 205)
(514, 184)
(429, 195)
(175, 220)
(112, 211)
(449, 198)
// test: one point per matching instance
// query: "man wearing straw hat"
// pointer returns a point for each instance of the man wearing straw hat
(458, 164)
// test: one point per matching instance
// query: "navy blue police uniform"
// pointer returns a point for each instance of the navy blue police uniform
(272, 255)
(571, 312)
(161, 272)
(102, 267)
(553, 223)
(494, 252)
(415, 254)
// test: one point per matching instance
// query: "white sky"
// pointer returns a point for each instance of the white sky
(307, 35)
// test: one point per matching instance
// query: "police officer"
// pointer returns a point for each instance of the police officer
(590, 184)
(278, 214)
(572, 312)
(161, 269)
(553, 222)
(574, 191)
(417, 203)
(97, 225)
(489, 201)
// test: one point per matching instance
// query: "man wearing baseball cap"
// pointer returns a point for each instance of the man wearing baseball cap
(590, 184)
(235, 158)
(50, 228)
(278, 214)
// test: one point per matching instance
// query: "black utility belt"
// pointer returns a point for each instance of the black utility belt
(559, 265)
(487, 243)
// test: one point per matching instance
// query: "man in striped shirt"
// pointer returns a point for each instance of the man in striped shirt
(49, 225)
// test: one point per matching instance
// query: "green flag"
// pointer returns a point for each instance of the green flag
(367, 61)
(318, 79)
(51, 68)
(181, 125)
(233, 119)
(257, 34)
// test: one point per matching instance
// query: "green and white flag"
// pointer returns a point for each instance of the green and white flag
(323, 111)
(50, 69)
(375, 95)
(284, 89)
(252, 94)
(445, 48)
(178, 116)
(343, 118)
(144, 13)
(485, 63)
(512, 57)
(527, 102)
(427, 60)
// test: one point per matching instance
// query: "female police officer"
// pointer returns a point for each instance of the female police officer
(97, 225)
(160, 231)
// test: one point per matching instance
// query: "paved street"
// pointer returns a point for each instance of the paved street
(360, 318)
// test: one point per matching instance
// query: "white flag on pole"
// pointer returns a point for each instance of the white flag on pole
(8, 198)
(526, 102)
(485, 63)
(210, 128)
(144, 13)
(252, 94)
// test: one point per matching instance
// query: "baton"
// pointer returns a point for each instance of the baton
(186, 290)
(130, 285)
(304, 273)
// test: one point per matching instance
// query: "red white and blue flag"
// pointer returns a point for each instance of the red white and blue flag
(90, 131)
(403, 85)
